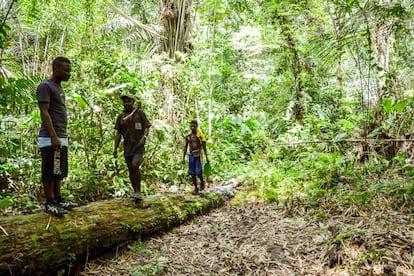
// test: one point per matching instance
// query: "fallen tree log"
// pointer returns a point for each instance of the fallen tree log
(40, 244)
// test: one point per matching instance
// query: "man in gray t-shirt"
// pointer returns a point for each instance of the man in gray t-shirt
(53, 138)
(52, 93)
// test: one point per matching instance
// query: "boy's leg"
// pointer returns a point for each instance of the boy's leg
(194, 180)
(202, 185)
(192, 172)
(199, 172)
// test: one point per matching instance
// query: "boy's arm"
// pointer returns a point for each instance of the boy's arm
(185, 149)
(204, 145)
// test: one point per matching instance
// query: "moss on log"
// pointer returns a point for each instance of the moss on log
(40, 244)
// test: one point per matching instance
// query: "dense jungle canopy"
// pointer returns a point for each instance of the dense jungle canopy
(310, 101)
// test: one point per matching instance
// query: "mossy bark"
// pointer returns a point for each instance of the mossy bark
(39, 244)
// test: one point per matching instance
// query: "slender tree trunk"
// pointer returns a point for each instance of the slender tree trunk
(176, 17)
(296, 68)
(335, 18)
(212, 37)
(382, 51)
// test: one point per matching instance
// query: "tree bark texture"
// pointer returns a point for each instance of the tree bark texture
(39, 244)
(176, 17)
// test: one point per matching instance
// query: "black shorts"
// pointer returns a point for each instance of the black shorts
(48, 155)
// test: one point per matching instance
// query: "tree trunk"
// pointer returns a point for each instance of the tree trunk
(298, 108)
(176, 17)
(39, 244)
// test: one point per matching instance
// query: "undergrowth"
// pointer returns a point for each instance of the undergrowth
(318, 179)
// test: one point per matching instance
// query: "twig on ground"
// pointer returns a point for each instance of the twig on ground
(4, 230)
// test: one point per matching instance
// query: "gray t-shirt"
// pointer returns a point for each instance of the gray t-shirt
(52, 93)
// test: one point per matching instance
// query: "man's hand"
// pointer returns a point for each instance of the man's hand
(183, 161)
(142, 140)
(56, 145)
(115, 153)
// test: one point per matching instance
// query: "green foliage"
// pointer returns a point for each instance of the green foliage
(149, 269)
(4, 29)
(350, 230)
(207, 170)
(137, 247)
(374, 256)
(242, 136)
(11, 203)
(239, 80)
(6, 201)
(358, 198)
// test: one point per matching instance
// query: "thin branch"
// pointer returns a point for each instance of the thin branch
(4, 230)
(48, 223)
(7, 14)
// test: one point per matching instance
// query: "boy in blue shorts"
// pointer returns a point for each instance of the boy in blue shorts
(196, 142)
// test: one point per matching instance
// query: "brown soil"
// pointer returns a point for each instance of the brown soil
(263, 239)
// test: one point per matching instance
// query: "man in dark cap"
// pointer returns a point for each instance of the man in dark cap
(132, 124)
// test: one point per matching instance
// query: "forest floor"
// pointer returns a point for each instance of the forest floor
(254, 238)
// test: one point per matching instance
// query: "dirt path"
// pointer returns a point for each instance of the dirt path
(260, 239)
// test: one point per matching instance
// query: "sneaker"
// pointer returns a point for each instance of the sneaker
(67, 205)
(54, 209)
(137, 198)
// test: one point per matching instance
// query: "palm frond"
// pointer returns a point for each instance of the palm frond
(150, 30)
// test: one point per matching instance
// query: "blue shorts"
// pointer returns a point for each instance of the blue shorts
(194, 165)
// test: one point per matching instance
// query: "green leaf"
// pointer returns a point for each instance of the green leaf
(5, 203)
(160, 134)
(387, 104)
(340, 137)
(347, 124)
(79, 100)
(207, 170)
(400, 106)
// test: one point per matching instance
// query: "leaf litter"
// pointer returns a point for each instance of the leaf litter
(266, 239)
